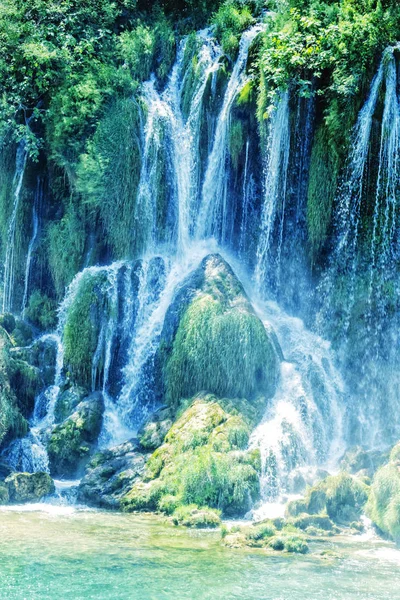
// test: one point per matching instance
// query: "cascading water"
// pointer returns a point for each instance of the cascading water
(35, 228)
(275, 190)
(344, 256)
(173, 141)
(374, 420)
(9, 264)
(213, 216)
(302, 428)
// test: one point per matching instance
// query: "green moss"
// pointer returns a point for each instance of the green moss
(236, 142)
(193, 516)
(341, 497)
(220, 345)
(384, 502)
(69, 232)
(42, 311)
(201, 462)
(7, 321)
(82, 326)
(324, 169)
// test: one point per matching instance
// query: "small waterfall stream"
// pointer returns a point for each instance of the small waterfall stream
(213, 215)
(35, 229)
(9, 264)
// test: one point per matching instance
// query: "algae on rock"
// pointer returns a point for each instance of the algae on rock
(213, 341)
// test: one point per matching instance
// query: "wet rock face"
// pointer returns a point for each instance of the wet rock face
(72, 441)
(111, 474)
(213, 341)
(28, 487)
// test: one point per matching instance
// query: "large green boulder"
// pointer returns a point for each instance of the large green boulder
(72, 441)
(203, 461)
(384, 502)
(12, 423)
(341, 497)
(212, 340)
(111, 474)
(28, 487)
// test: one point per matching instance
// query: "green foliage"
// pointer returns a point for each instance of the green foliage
(193, 516)
(82, 327)
(201, 463)
(108, 173)
(68, 233)
(42, 311)
(230, 21)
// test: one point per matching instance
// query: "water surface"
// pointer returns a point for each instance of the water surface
(62, 553)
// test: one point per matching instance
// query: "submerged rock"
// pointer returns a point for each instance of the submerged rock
(72, 441)
(213, 341)
(111, 474)
(28, 487)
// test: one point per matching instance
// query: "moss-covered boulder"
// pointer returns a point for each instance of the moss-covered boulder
(341, 497)
(28, 487)
(41, 354)
(12, 423)
(213, 341)
(383, 506)
(67, 401)
(84, 318)
(364, 462)
(111, 474)
(199, 518)
(153, 432)
(203, 461)
(71, 442)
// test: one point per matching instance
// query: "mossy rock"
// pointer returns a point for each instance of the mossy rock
(111, 474)
(202, 461)
(7, 321)
(71, 442)
(12, 423)
(67, 401)
(195, 517)
(29, 487)
(26, 381)
(304, 521)
(213, 341)
(342, 497)
(83, 324)
(357, 460)
(383, 506)
(153, 432)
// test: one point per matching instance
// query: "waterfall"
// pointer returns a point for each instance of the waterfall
(344, 256)
(35, 228)
(172, 141)
(213, 215)
(275, 190)
(158, 281)
(9, 264)
(302, 428)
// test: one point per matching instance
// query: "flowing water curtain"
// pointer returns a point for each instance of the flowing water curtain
(9, 263)
(350, 281)
(36, 212)
(215, 215)
(302, 428)
(274, 204)
(170, 175)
